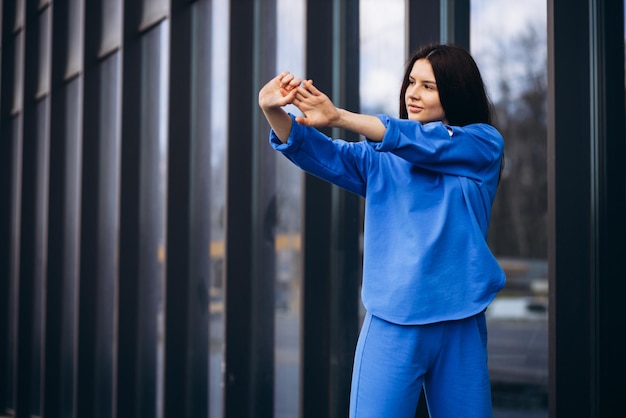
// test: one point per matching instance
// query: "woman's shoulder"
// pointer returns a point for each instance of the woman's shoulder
(483, 127)
(480, 130)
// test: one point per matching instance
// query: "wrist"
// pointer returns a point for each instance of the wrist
(340, 118)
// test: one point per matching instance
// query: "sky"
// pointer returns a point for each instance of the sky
(495, 24)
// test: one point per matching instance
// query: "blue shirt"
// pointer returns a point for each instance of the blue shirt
(428, 192)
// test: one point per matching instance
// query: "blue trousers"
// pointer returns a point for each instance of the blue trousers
(449, 359)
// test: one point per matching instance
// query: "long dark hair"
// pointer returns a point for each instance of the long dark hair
(461, 89)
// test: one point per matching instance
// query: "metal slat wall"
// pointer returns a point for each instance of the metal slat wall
(332, 224)
(6, 201)
(346, 218)
(92, 393)
(140, 270)
(34, 114)
(316, 287)
(63, 220)
(96, 353)
(187, 289)
(9, 209)
(251, 216)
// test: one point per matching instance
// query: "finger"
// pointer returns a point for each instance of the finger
(299, 104)
(303, 92)
(282, 76)
(289, 97)
(286, 79)
(302, 120)
(299, 95)
(310, 87)
(302, 103)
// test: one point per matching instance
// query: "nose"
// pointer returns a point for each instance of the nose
(412, 90)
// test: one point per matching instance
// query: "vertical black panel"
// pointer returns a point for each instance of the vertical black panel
(25, 281)
(316, 287)
(423, 24)
(128, 393)
(200, 261)
(14, 262)
(238, 304)
(459, 23)
(315, 390)
(331, 226)
(427, 24)
(187, 294)
(56, 230)
(142, 216)
(249, 320)
(7, 178)
(586, 206)
(346, 222)
(611, 179)
(178, 215)
(85, 386)
(61, 387)
(569, 209)
(64, 216)
(152, 201)
(200, 215)
(40, 259)
(27, 382)
(97, 315)
(264, 215)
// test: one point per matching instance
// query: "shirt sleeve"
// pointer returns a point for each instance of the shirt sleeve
(473, 151)
(339, 162)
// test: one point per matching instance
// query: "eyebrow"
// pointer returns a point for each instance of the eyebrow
(423, 81)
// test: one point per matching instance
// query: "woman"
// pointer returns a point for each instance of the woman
(429, 180)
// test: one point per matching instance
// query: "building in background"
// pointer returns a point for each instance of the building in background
(157, 258)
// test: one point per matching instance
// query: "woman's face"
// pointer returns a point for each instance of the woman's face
(421, 96)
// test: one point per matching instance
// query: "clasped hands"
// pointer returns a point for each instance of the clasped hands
(317, 109)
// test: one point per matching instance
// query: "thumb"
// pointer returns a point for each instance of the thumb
(303, 120)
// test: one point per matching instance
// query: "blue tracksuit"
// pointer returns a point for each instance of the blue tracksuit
(428, 192)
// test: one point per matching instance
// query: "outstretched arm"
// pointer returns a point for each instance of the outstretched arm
(319, 111)
(278, 92)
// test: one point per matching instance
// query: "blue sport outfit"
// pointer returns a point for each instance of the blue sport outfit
(428, 273)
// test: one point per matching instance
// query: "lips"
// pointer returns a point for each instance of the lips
(414, 108)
